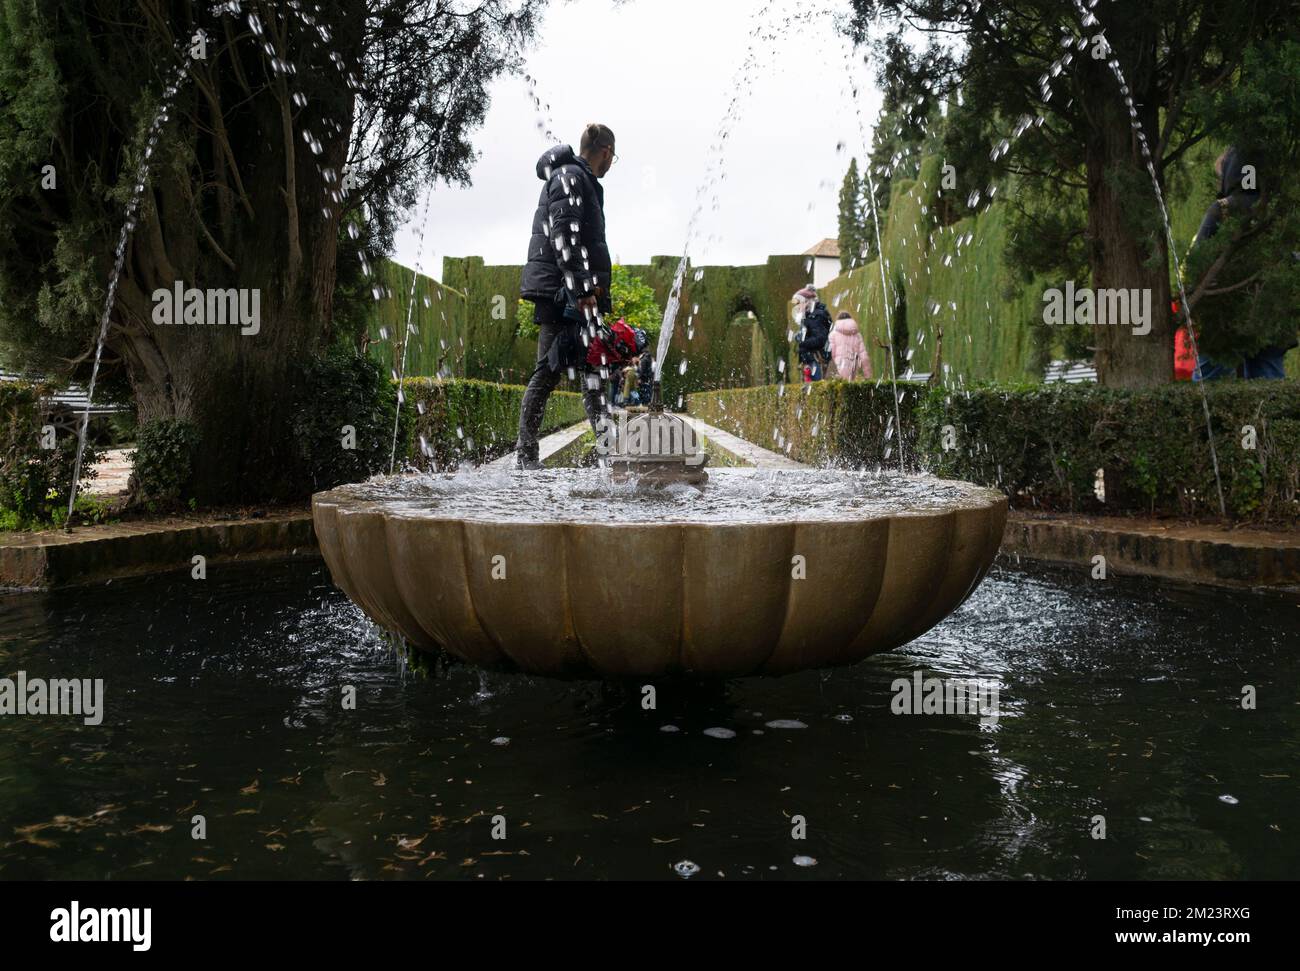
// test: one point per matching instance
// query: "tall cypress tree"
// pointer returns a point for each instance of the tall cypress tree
(852, 231)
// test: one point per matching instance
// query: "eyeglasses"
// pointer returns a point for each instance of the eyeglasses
(613, 156)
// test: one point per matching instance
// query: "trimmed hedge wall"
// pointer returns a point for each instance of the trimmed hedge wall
(721, 349)
(491, 351)
(1043, 444)
(474, 421)
(438, 319)
(934, 282)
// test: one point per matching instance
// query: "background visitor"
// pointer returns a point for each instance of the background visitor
(849, 350)
(815, 322)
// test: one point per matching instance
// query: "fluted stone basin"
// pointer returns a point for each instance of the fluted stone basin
(566, 573)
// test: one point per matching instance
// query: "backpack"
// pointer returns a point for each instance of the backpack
(611, 351)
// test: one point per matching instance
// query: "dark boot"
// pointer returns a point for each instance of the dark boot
(526, 458)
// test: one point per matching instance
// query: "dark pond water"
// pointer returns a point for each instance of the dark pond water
(224, 698)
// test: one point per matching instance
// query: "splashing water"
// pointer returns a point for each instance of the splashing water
(733, 495)
(670, 316)
(545, 126)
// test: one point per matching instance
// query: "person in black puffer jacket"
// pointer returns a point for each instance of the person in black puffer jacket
(567, 276)
(815, 320)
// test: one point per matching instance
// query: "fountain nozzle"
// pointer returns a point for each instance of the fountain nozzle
(658, 449)
(656, 397)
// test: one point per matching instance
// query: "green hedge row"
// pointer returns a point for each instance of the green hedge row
(491, 351)
(1044, 444)
(474, 421)
(466, 326)
(951, 278)
(956, 278)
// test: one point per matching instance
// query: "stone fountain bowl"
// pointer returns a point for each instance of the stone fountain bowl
(722, 599)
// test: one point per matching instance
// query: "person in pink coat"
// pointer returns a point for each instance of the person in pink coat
(848, 350)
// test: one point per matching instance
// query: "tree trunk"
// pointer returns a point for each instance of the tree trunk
(240, 390)
(1125, 229)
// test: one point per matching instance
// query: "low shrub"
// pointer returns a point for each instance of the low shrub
(1044, 444)
(38, 448)
(343, 429)
(163, 462)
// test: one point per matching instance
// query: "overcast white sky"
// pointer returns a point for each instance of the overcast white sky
(660, 74)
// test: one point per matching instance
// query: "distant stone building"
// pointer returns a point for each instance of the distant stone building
(826, 262)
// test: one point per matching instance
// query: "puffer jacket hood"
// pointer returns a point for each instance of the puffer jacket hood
(554, 157)
(847, 326)
(567, 254)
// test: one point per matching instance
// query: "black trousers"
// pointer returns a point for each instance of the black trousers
(543, 381)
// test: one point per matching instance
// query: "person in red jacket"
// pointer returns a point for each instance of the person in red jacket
(1184, 359)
